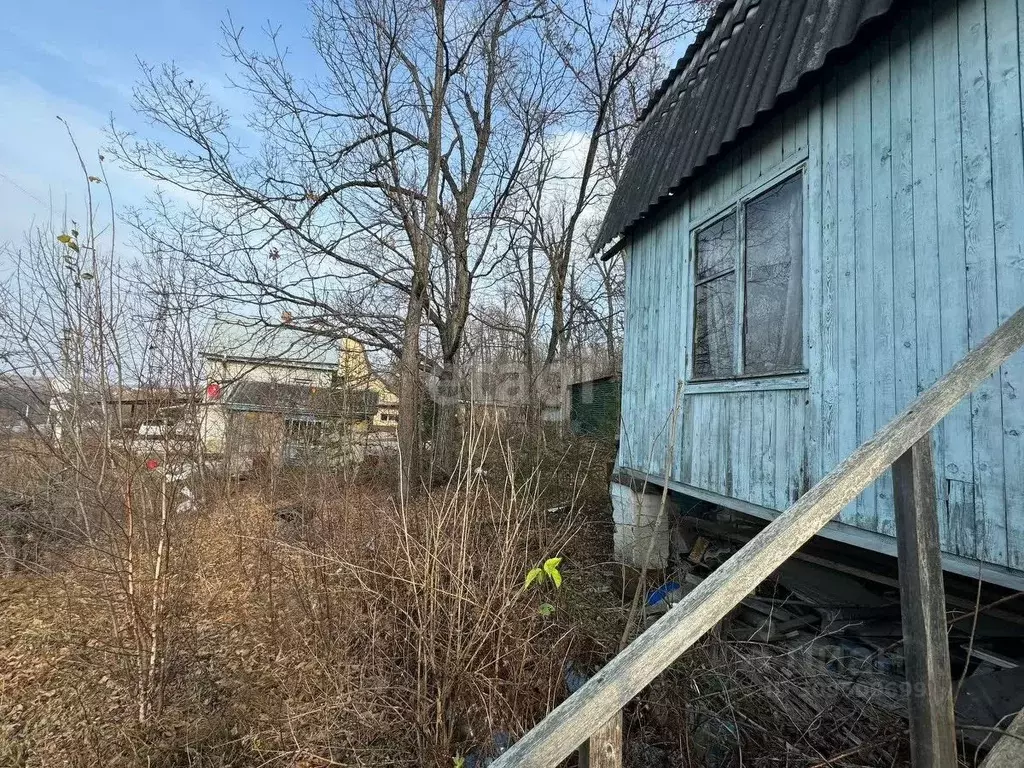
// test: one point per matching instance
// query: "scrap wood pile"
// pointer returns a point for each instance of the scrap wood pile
(755, 704)
(809, 670)
(783, 681)
(778, 683)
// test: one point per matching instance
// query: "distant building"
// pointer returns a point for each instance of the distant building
(281, 395)
(24, 404)
(355, 370)
(125, 415)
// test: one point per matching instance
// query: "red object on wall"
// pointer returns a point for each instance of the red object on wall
(152, 464)
(213, 390)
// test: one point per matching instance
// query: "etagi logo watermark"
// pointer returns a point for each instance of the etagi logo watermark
(514, 384)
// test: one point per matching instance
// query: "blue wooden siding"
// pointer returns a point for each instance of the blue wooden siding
(914, 183)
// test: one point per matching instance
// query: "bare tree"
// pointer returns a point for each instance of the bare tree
(374, 202)
(613, 55)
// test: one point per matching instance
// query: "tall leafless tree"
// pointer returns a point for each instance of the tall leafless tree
(614, 54)
(374, 201)
(611, 57)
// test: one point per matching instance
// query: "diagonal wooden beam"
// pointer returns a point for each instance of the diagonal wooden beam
(1009, 750)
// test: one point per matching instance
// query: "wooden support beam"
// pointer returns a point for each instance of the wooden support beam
(923, 605)
(604, 749)
(1009, 750)
(560, 733)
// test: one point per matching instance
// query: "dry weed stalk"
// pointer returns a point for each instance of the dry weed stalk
(467, 642)
(419, 611)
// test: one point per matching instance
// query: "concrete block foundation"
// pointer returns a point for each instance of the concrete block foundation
(642, 527)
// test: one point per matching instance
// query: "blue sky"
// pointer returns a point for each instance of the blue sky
(78, 60)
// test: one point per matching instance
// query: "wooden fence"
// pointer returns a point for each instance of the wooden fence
(594, 713)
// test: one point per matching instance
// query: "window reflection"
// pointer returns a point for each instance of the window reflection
(715, 305)
(715, 300)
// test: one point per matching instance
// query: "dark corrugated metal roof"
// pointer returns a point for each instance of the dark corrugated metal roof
(299, 400)
(750, 55)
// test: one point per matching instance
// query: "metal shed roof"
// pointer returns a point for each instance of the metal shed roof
(299, 400)
(275, 397)
(750, 55)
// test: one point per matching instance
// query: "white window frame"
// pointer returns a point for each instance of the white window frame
(795, 378)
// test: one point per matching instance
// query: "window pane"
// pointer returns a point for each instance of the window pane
(716, 247)
(714, 315)
(773, 312)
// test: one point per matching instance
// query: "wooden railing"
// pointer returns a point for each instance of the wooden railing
(594, 713)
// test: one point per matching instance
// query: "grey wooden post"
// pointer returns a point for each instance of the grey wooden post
(604, 749)
(923, 606)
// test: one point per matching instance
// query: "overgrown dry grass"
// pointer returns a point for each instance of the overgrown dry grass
(313, 621)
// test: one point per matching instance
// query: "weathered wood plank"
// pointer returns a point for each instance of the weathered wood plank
(768, 447)
(924, 196)
(795, 381)
(734, 405)
(689, 437)
(784, 449)
(625, 453)
(701, 440)
(882, 288)
(708, 445)
(713, 445)
(629, 439)
(646, 433)
(662, 374)
(801, 460)
(813, 309)
(753, 466)
(923, 607)
(741, 447)
(1005, 57)
(639, 269)
(773, 148)
(791, 118)
(982, 309)
(828, 359)
(904, 219)
(720, 428)
(750, 162)
(604, 749)
(680, 298)
(562, 731)
(656, 396)
(846, 298)
(955, 433)
(1009, 750)
(959, 513)
(863, 269)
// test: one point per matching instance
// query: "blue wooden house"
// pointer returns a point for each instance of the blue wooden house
(823, 210)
